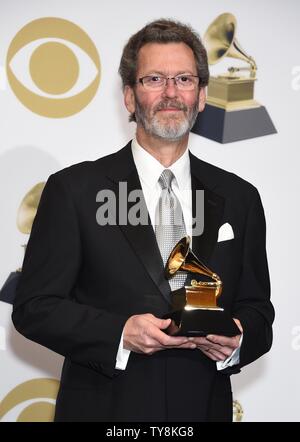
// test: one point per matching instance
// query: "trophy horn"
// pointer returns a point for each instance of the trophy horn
(220, 41)
(182, 258)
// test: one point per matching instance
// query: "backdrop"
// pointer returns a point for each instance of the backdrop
(44, 129)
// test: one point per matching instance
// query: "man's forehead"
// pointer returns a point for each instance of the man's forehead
(160, 56)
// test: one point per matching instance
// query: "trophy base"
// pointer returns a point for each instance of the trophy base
(224, 126)
(201, 322)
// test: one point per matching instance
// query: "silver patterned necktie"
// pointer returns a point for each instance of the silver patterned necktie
(169, 224)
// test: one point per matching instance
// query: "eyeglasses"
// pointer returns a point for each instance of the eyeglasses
(159, 82)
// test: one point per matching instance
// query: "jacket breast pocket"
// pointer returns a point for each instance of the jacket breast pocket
(227, 256)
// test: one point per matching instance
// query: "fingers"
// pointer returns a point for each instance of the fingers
(214, 350)
(188, 345)
(208, 354)
(213, 353)
(161, 337)
(143, 334)
(169, 341)
(158, 322)
(233, 342)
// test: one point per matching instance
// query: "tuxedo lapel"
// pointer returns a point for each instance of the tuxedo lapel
(140, 237)
(204, 243)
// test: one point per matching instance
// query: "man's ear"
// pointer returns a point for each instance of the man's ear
(129, 99)
(202, 99)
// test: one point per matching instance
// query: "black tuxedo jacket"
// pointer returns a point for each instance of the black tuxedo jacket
(81, 281)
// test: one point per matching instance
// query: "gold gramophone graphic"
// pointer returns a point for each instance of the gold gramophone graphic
(194, 307)
(25, 216)
(231, 112)
(28, 208)
(238, 411)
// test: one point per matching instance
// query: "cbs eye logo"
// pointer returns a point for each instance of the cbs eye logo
(31, 401)
(59, 64)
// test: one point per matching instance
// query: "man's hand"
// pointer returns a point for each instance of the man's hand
(143, 334)
(218, 348)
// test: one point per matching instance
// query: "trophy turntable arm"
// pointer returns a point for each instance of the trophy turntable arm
(252, 68)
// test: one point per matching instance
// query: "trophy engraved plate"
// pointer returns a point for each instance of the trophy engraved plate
(195, 311)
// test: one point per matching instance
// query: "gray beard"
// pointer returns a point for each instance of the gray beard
(171, 132)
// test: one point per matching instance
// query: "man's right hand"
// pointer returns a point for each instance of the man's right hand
(143, 334)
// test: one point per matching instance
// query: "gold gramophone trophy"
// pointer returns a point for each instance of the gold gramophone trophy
(194, 307)
(231, 112)
(25, 216)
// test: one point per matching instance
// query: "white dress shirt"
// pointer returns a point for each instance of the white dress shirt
(149, 171)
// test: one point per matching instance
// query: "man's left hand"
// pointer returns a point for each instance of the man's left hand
(218, 348)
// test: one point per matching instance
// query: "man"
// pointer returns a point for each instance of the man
(95, 291)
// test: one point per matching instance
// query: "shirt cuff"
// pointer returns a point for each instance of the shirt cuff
(122, 356)
(233, 359)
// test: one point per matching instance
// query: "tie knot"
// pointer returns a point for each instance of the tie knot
(166, 179)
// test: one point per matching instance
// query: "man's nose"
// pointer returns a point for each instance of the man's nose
(170, 89)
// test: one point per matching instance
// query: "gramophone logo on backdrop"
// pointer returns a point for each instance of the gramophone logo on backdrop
(25, 217)
(53, 67)
(31, 401)
(231, 112)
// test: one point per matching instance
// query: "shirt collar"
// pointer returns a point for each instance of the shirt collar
(149, 168)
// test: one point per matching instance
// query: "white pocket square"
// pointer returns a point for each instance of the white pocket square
(225, 232)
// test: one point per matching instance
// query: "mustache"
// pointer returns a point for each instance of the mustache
(170, 103)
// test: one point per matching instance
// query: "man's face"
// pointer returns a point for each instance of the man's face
(169, 113)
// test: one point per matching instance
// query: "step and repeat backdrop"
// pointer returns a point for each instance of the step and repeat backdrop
(61, 103)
